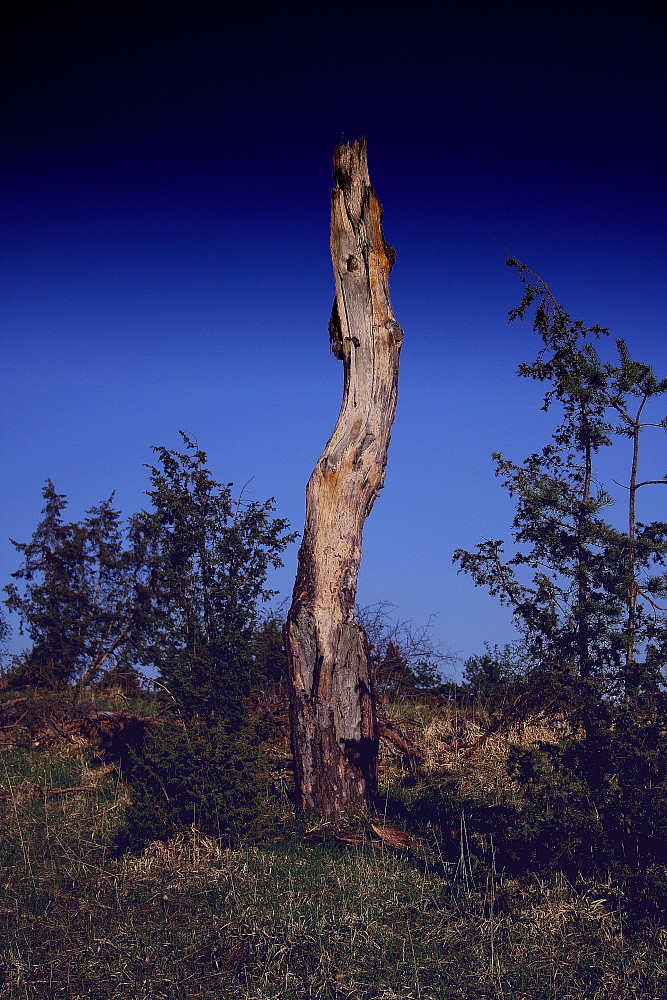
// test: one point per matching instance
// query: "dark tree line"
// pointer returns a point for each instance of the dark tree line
(177, 588)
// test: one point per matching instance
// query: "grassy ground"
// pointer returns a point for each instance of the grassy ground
(286, 919)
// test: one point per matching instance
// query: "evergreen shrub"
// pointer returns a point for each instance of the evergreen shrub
(188, 776)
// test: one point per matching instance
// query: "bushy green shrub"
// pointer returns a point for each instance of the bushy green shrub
(494, 677)
(210, 557)
(194, 775)
(591, 805)
(555, 824)
(269, 656)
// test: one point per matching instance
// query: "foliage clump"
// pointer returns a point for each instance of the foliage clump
(209, 560)
(494, 678)
(192, 776)
(588, 596)
(176, 591)
(82, 599)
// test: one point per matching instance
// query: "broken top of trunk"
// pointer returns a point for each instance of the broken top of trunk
(334, 737)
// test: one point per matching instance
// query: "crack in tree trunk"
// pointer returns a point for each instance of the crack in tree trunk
(332, 705)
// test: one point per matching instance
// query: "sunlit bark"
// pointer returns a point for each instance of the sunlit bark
(334, 731)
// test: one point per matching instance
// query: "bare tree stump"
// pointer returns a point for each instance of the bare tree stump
(332, 706)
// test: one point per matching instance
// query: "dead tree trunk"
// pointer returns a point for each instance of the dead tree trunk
(332, 706)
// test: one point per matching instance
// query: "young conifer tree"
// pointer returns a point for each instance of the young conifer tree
(209, 555)
(209, 558)
(79, 596)
(587, 593)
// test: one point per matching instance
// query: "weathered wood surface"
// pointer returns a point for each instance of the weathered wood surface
(334, 731)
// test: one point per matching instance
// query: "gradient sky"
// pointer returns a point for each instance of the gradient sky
(165, 181)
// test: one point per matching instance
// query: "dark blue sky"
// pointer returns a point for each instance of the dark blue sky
(165, 181)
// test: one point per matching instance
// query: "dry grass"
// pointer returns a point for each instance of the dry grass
(193, 920)
(457, 744)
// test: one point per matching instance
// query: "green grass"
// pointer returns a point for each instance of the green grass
(192, 920)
